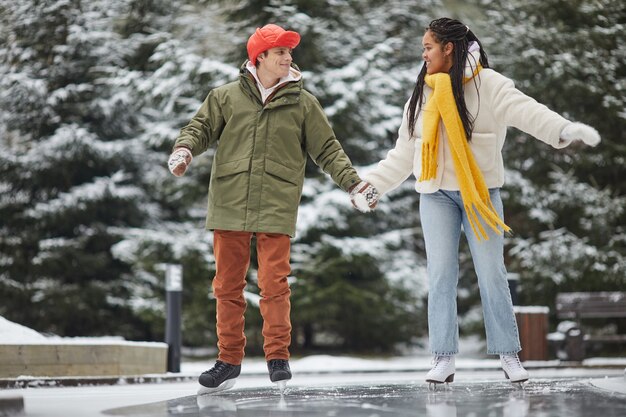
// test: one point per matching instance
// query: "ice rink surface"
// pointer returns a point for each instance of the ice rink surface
(550, 392)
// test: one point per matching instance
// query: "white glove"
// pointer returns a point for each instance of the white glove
(364, 196)
(580, 131)
(179, 161)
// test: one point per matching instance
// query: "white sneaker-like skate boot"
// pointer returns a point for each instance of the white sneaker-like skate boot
(442, 371)
(513, 368)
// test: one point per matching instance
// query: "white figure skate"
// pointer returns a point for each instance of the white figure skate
(441, 372)
(513, 369)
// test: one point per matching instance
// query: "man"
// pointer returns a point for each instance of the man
(263, 126)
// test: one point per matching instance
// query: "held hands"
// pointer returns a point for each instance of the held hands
(364, 196)
(580, 131)
(179, 161)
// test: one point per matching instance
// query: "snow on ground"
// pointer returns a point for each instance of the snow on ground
(16, 333)
(329, 364)
(471, 357)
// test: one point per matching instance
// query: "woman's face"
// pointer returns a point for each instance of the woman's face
(437, 57)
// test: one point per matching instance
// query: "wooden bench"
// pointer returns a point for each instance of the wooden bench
(579, 306)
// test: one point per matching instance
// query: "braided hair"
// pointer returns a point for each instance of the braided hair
(446, 30)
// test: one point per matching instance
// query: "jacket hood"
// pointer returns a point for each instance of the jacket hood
(243, 68)
(291, 84)
(294, 73)
(473, 59)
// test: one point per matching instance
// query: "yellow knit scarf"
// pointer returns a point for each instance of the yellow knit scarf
(474, 192)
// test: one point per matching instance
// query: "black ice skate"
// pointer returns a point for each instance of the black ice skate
(279, 372)
(219, 378)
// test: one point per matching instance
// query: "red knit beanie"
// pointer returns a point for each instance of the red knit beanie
(270, 36)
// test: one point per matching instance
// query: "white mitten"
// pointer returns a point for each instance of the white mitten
(179, 161)
(581, 131)
(364, 196)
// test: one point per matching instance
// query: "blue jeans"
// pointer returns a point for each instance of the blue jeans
(442, 215)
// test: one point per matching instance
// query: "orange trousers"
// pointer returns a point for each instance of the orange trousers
(232, 259)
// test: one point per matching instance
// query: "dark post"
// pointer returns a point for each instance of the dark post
(174, 291)
(513, 279)
(575, 344)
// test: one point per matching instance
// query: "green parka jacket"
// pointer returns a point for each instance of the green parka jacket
(258, 167)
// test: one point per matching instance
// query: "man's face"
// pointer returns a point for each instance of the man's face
(276, 62)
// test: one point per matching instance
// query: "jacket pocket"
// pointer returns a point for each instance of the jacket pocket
(232, 167)
(229, 187)
(283, 172)
(281, 190)
(484, 146)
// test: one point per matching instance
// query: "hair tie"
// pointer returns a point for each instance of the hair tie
(466, 29)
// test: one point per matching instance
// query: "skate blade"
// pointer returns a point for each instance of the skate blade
(434, 386)
(517, 381)
(228, 384)
(281, 385)
(521, 384)
(449, 378)
(433, 383)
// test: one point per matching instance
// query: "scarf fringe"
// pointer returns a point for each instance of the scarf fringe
(488, 214)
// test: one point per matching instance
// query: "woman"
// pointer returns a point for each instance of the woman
(451, 139)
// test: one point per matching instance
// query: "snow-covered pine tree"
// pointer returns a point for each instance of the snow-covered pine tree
(63, 184)
(84, 183)
(567, 208)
